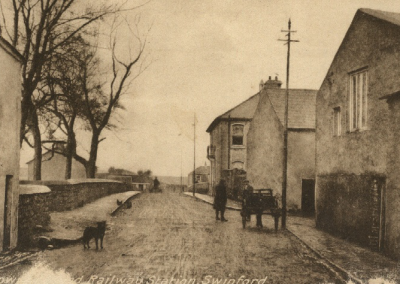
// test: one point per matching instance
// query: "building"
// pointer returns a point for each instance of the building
(265, 144)
(141, 183)
(137, 182)
(228, 140)
(357, 134)
(202, 179)
(10, 116)
(53, 167)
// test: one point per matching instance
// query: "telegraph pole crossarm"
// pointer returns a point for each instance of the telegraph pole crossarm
(285, 133)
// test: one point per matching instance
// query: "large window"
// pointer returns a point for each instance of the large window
(358, 100)
(237, 134)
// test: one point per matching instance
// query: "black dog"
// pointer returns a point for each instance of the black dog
(96, 233)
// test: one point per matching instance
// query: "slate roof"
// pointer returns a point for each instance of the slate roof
(301, 106)
(244, 111)
(202, 170)
(45, 156)
(390, 17)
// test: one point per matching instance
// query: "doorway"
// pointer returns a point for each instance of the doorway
(308, 196)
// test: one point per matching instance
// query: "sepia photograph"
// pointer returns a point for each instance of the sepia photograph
(199, 141)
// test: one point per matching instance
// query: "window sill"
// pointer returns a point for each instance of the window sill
(238, 146)
(359, 130)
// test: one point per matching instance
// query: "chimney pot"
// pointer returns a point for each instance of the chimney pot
(272, 84)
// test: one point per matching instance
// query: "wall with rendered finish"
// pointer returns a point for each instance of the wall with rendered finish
(265, 154)
(265, 147)
(301, 164)
(54, 168)
(10, 110)
(364, 155)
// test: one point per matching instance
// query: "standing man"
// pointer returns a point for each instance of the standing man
(247, 191)
(156, 184)
(220, 200)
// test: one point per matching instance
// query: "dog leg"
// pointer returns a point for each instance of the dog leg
(101, 242)
(97, 245)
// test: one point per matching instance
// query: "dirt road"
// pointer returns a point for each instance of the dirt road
(171, 236)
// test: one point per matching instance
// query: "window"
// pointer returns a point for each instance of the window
(198, 178)
(337, 122)
(237, 134)
(358, 100)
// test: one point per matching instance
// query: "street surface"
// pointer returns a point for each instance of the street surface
(171, 236)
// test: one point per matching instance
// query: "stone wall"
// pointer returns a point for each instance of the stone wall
(35, 206)
(70, 196)
(33, 216)
(349, 206)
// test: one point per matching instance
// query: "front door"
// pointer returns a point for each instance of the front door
(308, 196)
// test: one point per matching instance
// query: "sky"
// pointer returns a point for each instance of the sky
(206, 57)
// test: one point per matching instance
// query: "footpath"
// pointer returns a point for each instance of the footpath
(68, 226)
(348, 261)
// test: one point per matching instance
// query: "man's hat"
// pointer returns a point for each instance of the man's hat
(246, 180)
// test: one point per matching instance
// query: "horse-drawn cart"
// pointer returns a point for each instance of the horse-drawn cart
(259, 202)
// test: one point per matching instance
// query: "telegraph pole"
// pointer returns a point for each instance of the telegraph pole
(181, 172)
(194, 154)
(285, 133)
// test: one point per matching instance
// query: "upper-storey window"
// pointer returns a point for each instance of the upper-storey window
(358, 100)
(237, 134)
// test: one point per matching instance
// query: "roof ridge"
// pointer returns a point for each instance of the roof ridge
(388, 16)
(249, 98)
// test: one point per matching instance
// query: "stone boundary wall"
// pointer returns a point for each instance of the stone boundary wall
(348, 206)
(35, 205)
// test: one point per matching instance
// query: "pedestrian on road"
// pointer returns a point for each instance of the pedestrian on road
(156, 184)
(220, 200)
(247, 191)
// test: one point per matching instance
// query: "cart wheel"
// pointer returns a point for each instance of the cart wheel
(244, 222)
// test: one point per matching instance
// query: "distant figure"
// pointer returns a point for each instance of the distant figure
(247, 191)
(220, 200)
(156, 183)
(259, 211)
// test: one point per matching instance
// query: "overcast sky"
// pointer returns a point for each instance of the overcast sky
(208, 56)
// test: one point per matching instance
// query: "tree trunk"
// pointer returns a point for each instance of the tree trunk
(26, 108)
(91, 165)
(37, 164)
(71, 148)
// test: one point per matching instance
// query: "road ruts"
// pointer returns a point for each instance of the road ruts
(169, 235)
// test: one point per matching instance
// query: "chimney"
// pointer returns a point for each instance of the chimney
(261, 85)
(273, 84)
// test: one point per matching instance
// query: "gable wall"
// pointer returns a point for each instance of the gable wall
(352, 168)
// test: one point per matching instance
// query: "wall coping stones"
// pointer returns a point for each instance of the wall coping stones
(91, 180)
(25, 189)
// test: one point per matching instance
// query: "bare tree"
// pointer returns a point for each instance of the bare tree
(39, 28)
(100, 105)
(80, 91)
(63, 84)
